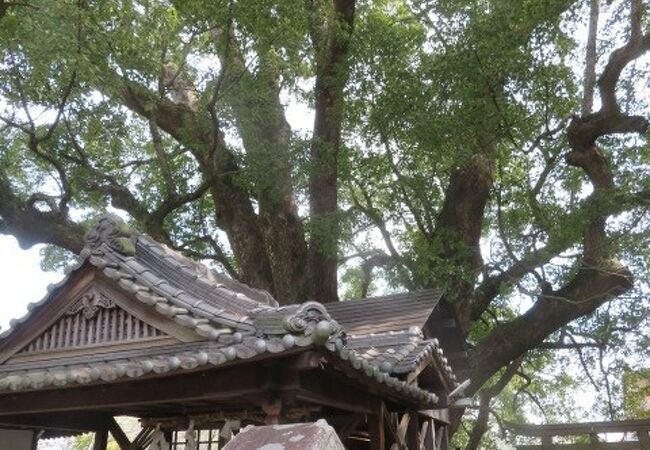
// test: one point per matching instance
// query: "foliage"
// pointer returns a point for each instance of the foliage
(447, 149)
(637, 394)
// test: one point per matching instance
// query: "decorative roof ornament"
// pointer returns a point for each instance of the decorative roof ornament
(310, 319)
(112, 231)
(90, 303)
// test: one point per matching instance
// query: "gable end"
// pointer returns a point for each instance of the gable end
(93, 319)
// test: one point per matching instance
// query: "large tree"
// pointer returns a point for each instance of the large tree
(412, 144)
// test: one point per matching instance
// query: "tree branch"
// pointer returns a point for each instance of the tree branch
(486, 395)
(233, 208)
(589, 289)
(31, 226)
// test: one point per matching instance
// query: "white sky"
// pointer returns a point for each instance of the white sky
(21, 279)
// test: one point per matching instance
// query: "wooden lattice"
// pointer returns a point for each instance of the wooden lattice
(93, 319)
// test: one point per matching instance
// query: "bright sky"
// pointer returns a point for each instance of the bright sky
(21, 279)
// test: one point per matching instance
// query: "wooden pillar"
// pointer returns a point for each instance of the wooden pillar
(432, 436)
(547, 442)
(376, 429)
(412, 432)
(644, 439)
(101, 439)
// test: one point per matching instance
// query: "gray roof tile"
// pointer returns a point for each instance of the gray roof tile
(238, 321)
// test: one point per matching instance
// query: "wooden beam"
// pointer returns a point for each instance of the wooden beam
(626, 445)
(430, 436)
(101, 439)
(325, 390)
(402, 428)
(119, 435)
(412, 432)
(64, 422)
(209, 385)
(574, 429)
(439, 415)
(443, 438)
(143, 439)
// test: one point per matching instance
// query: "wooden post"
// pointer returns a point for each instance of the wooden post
(412, 438)
(101, 439)
(444, 441)
(169, 436)
(644, 439)
(376, 429)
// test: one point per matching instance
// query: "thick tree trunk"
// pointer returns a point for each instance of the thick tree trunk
(266, 134)
(459, 229)
(331, 46)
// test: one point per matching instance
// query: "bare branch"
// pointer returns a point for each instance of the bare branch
(375, 216)
(426, 228)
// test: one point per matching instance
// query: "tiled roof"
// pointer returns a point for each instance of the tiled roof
(124, 365)
(236, 321)
(386, 313)
(399, 352)
(387, 330)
